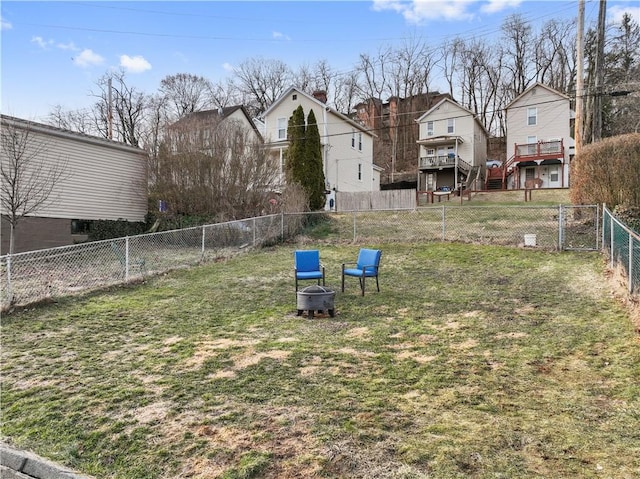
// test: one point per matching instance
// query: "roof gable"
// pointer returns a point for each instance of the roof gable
(320, 105)
(528, 90)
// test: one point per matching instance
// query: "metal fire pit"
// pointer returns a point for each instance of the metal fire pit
(316, 298)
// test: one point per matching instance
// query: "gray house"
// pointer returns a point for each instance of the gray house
(103, 180)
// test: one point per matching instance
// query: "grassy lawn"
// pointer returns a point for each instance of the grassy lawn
(473, 361)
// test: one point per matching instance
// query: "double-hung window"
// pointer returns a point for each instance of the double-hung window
(360, 171)
(353, 139)
(429, 128)
(451, 125)
(359, 141)
(532, 116)
(282, 128)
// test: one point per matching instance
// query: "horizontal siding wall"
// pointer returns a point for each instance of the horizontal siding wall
(101, 181)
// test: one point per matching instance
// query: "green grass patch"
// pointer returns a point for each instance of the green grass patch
(472, 361)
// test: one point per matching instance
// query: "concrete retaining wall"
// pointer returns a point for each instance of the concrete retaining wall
(18, 464)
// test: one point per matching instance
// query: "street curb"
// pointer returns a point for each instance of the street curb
(19, 464)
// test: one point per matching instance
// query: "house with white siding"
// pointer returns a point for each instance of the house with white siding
(103, 180)
(347, 146)
(539, 142)
(453, 147)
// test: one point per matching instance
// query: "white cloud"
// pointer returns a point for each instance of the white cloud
(41, 42)
(5, 25)
(614, 13)
(67, 46)
(420, 11)
(280, 36)
(136, 64)
(228, 67)
(494, 6)
(88, 58)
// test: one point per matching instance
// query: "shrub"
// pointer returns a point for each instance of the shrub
(608, 172)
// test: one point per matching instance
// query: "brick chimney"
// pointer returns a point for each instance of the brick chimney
(320, 95)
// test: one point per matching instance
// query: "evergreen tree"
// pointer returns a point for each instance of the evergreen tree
(314, 181)
(295, 157)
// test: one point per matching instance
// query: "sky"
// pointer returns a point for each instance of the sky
(54, 52)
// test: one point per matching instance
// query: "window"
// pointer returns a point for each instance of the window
(529, 174)
(532, 116)
(531, 144)
(294, 97)
(360, 171)
(431, 152)
(353, 139)
(451, 125)
(429, 128)
(360, 141)
(282, 128)
(553, 174)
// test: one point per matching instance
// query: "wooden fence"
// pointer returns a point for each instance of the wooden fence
(376, 200)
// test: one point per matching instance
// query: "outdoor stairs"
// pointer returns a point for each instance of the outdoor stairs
(494, 184)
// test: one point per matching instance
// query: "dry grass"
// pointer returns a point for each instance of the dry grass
(472, 361)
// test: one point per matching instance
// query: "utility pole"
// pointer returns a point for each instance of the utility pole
(109, 112)
(596, 127)
(579, 77)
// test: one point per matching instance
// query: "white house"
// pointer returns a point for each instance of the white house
(453, 147)
(103, 180)
(539, 143)
(347, 146)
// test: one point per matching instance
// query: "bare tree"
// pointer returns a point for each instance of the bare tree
(73, 120)
(186, 93)
(214, 168)
(517, 38)
(262, 81)
(124, 103)
(29, 175)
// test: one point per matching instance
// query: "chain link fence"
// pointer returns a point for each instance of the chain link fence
(47, 274)
(557, 228)
(622, 245)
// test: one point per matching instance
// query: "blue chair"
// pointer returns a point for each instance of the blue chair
(308, 266)
(367, 266)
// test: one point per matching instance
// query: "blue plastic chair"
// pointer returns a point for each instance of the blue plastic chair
(367, 266)
(308, 266)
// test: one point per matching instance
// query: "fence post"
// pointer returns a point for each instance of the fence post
(126, 259)
(282, 226)
(9, 288)
(204, 228)
(612, 236)
(254, 230)
(444, 222)
(630, 269)
(354, 227)
(561, 227)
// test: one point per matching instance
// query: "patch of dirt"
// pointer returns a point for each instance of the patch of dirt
(251, 358)
(358, 332)
(420, 358)
(153, 412)
(468, 344)
(209, 349)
